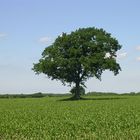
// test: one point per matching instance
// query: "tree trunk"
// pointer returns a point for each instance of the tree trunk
(77, 92)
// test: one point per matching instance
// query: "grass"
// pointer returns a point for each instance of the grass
(52, 118)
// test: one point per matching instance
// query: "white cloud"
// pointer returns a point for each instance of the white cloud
(138, 59)
(122, 55)
(2, 35)
(45, 40)
(107, 55)
(138, 48)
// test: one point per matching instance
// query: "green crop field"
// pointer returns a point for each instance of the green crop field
(49, 118)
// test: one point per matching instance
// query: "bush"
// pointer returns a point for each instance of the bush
(82, 90)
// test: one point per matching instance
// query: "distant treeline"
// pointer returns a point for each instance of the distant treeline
(111, 93)
(34, 95)
(40, 95)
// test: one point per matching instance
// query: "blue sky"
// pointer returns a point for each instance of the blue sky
(28, 26)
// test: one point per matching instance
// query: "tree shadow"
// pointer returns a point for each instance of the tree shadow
(100, 98)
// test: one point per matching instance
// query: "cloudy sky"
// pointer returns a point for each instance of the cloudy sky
(28, 26)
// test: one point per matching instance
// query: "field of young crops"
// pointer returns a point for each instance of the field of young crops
(101, 118)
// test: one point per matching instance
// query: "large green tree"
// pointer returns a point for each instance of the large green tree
(75, 57)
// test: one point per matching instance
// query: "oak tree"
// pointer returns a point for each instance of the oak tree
(79, 55)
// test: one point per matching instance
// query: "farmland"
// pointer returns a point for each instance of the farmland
(48, 118)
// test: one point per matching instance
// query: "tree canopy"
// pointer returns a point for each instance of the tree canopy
(79, 55)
